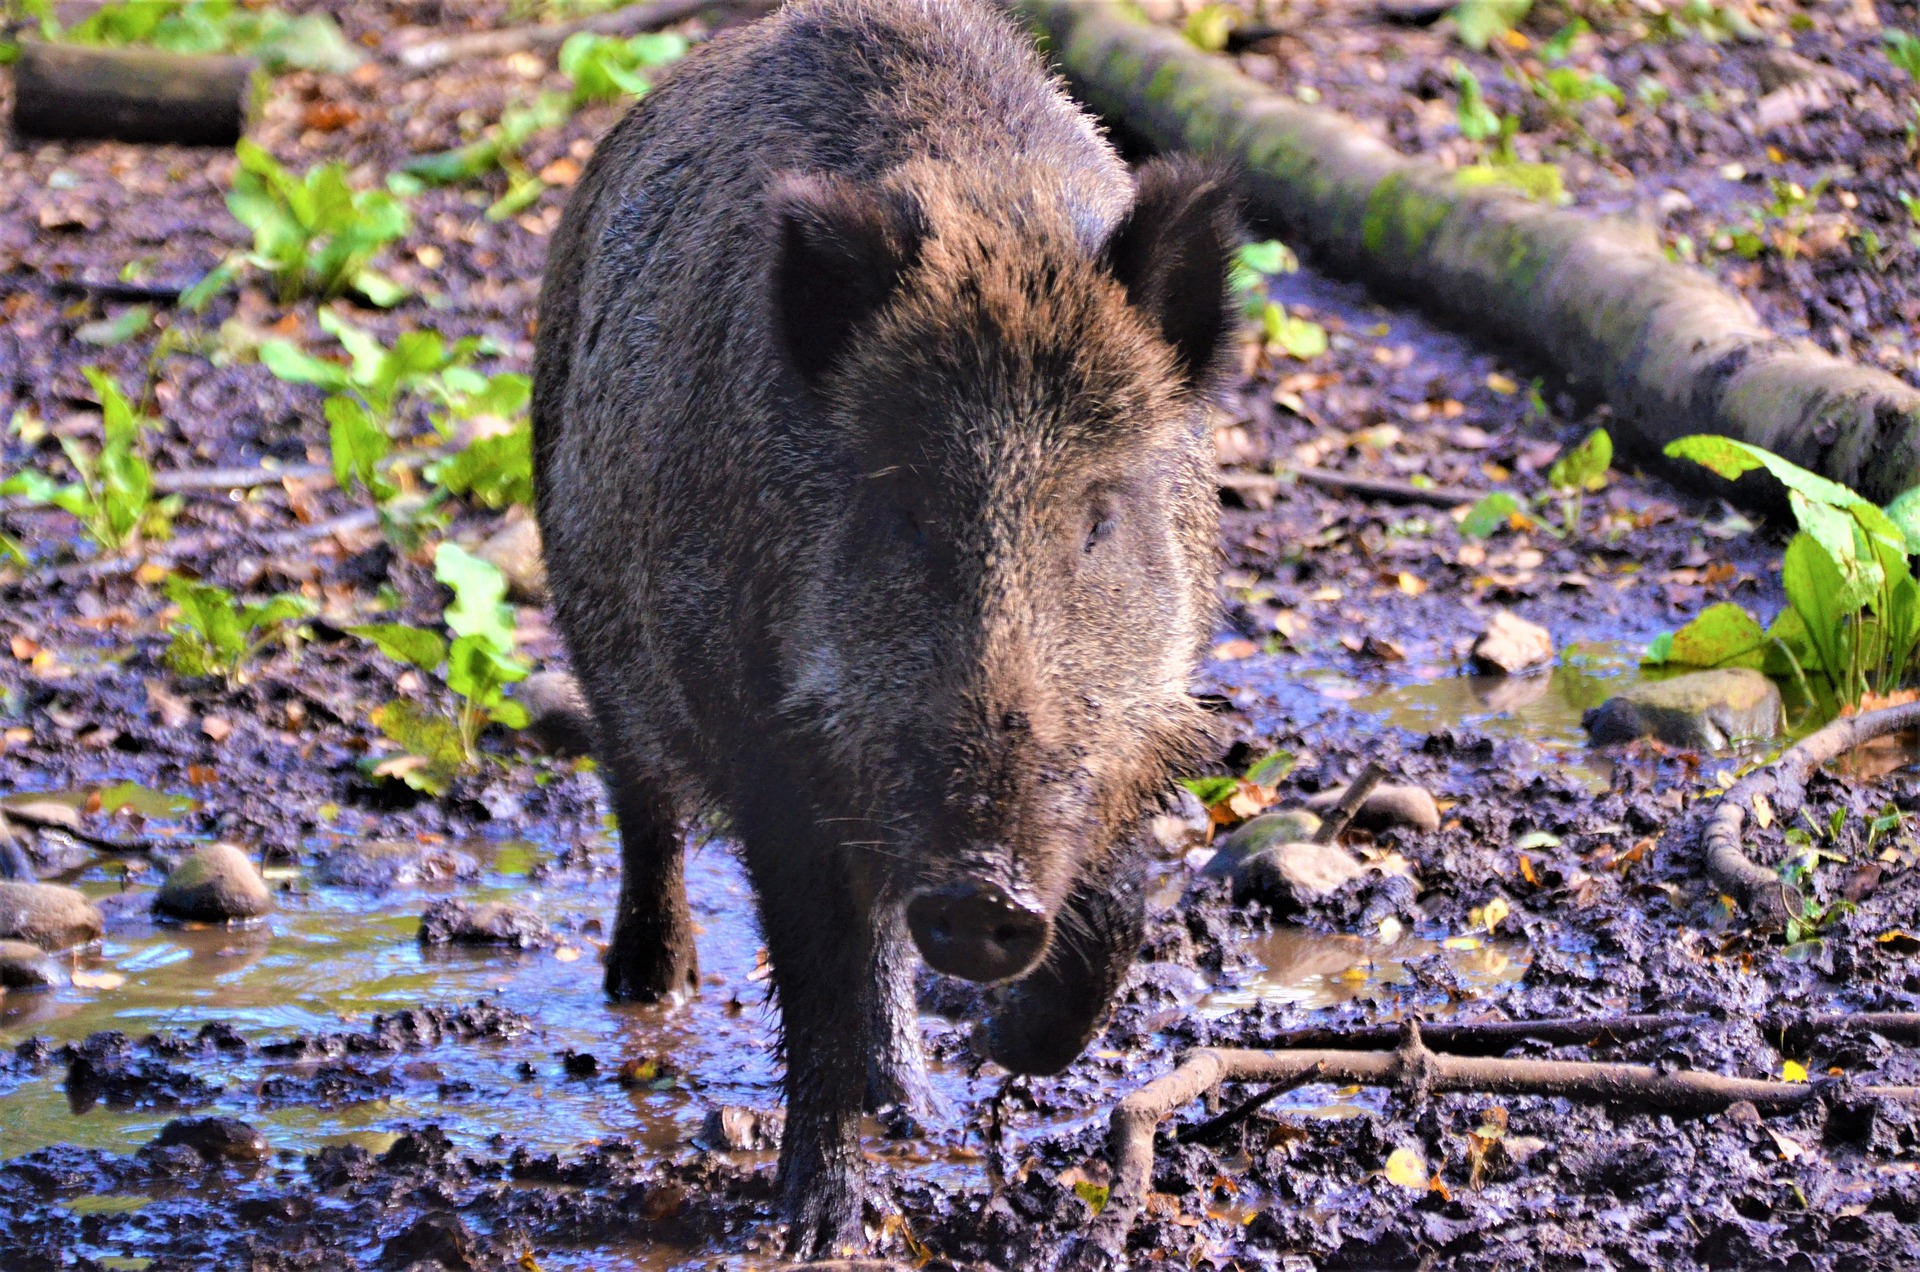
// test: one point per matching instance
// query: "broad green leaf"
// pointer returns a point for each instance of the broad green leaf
(1732, 459)
(1492, 513)
(1296, 337)
(296, 366)
(358, 445)
(1904, 513)
(494, 471)
(415, 646)
(479, 606)
(1479, 22)
(1271, 769)
(478, 672)
(1585, 466)
(1211, 790)
(1815, 589)
(1659, 651)
(1721, 635)
(429, 737)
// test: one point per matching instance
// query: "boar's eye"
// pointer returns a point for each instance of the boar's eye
(1099, 529)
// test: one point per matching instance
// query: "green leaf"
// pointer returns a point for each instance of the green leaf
(1479, 22)
(1271, 769)
(108, 332)
(414, 646)
(1211, 790)
(427, 735)
(479, 672)
(1585, 466)
(1816, 590)
(1732, 459)
(1494, 512)
(1904, 513)
(1207, 28)
(494, 471)
(479, 606)
(296, 366)
(358, 445)
(1722, 635)
(1296, 337)
(1659, 651)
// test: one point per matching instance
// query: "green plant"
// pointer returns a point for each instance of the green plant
(1477, 120)
(378, 375)
(1480, 22)
(1231, 799)
(282, 42)
(1903, 50)
(113, 497)
(606, 68)
(1580, 472)
(1853, 608)
(477, 666)
(215, 635)
(313, 235)
(1253, 265)
(1493, 512)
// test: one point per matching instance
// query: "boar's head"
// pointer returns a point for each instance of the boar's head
(1015, 557)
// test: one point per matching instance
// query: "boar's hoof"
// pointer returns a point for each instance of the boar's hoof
(976, 932)
(823, 1219)
(643, 972)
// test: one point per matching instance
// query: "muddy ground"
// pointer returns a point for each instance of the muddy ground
(487, 1109)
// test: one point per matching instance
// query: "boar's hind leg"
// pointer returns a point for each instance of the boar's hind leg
(651, 955)
(896, 1067)
(1041, 1022)
(820, 939)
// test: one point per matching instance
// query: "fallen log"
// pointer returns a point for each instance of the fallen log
(71, 92)
(1768, 900)
(1671, 350)
(422, 56)
(1414, 1067)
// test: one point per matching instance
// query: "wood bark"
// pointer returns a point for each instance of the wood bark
(1671, 350)
(423, 56)
(71, 92)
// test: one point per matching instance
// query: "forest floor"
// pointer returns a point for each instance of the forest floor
(487, 1108)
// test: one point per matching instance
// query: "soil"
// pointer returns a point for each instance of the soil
(484, 1107)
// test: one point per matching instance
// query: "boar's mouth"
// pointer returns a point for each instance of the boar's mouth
(977, 931)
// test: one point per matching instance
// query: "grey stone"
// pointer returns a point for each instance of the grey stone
(456, 922)
(26, 966)
(735, 1129)
(1265, 831)
(216, 1139)
(1290, 877)
(388, 863)
(217, 884)
(1702, 710)
(1388, 806)
(1510, 645)
(47, 915)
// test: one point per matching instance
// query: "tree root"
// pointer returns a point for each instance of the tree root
(1767, 900)
(1414, 1068)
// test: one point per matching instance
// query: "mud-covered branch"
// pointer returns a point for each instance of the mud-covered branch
(423, 56)
(1768, 900)
(1671, 350)
(1412, 1066)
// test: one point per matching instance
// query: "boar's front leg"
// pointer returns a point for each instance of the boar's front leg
(651, 955)
(820, 938)
(896, 1066)
(1041, 1022)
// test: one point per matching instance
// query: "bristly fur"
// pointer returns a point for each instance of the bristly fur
(879, 511)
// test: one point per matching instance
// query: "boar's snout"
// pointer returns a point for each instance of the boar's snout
(977, 931)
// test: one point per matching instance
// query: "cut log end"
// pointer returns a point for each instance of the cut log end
(79, 93)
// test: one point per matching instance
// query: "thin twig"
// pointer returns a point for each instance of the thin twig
(1383, 489)
(1350, 803)
(1768, 900)
(200, 545)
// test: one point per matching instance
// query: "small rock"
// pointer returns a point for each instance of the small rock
(26, 966)
(557, 713)
(1291, 877)
(440, 1238)
(456, 922)
(1703, 710)
(217, 884)
(1294, 825)
(389, 863)
(515, 549)
(1388, 806)
(48, 915)
(735, 1129)
(216, 1139)
(1510, 645)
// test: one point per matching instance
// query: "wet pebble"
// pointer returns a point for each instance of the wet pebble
(515, 549)
(442, 1239)
(47, 915)
(1703, 710)
(26, 966)
(389, 863)
(216, 1139)
(734, 1128)
(1291, 877)
(456, 922)
(1265, 831)
(557, 714)
(1388, 806)
(1510, 645)
(217, 884)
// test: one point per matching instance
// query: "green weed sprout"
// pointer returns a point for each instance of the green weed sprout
(113, 498)
(215, 635)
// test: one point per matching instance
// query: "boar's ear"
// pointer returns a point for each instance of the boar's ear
(841, 249)
(1172, 254)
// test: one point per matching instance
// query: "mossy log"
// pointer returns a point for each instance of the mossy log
(65, 92)
(1670, 350)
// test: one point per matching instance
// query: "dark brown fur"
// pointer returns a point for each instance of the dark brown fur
(879, 517)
